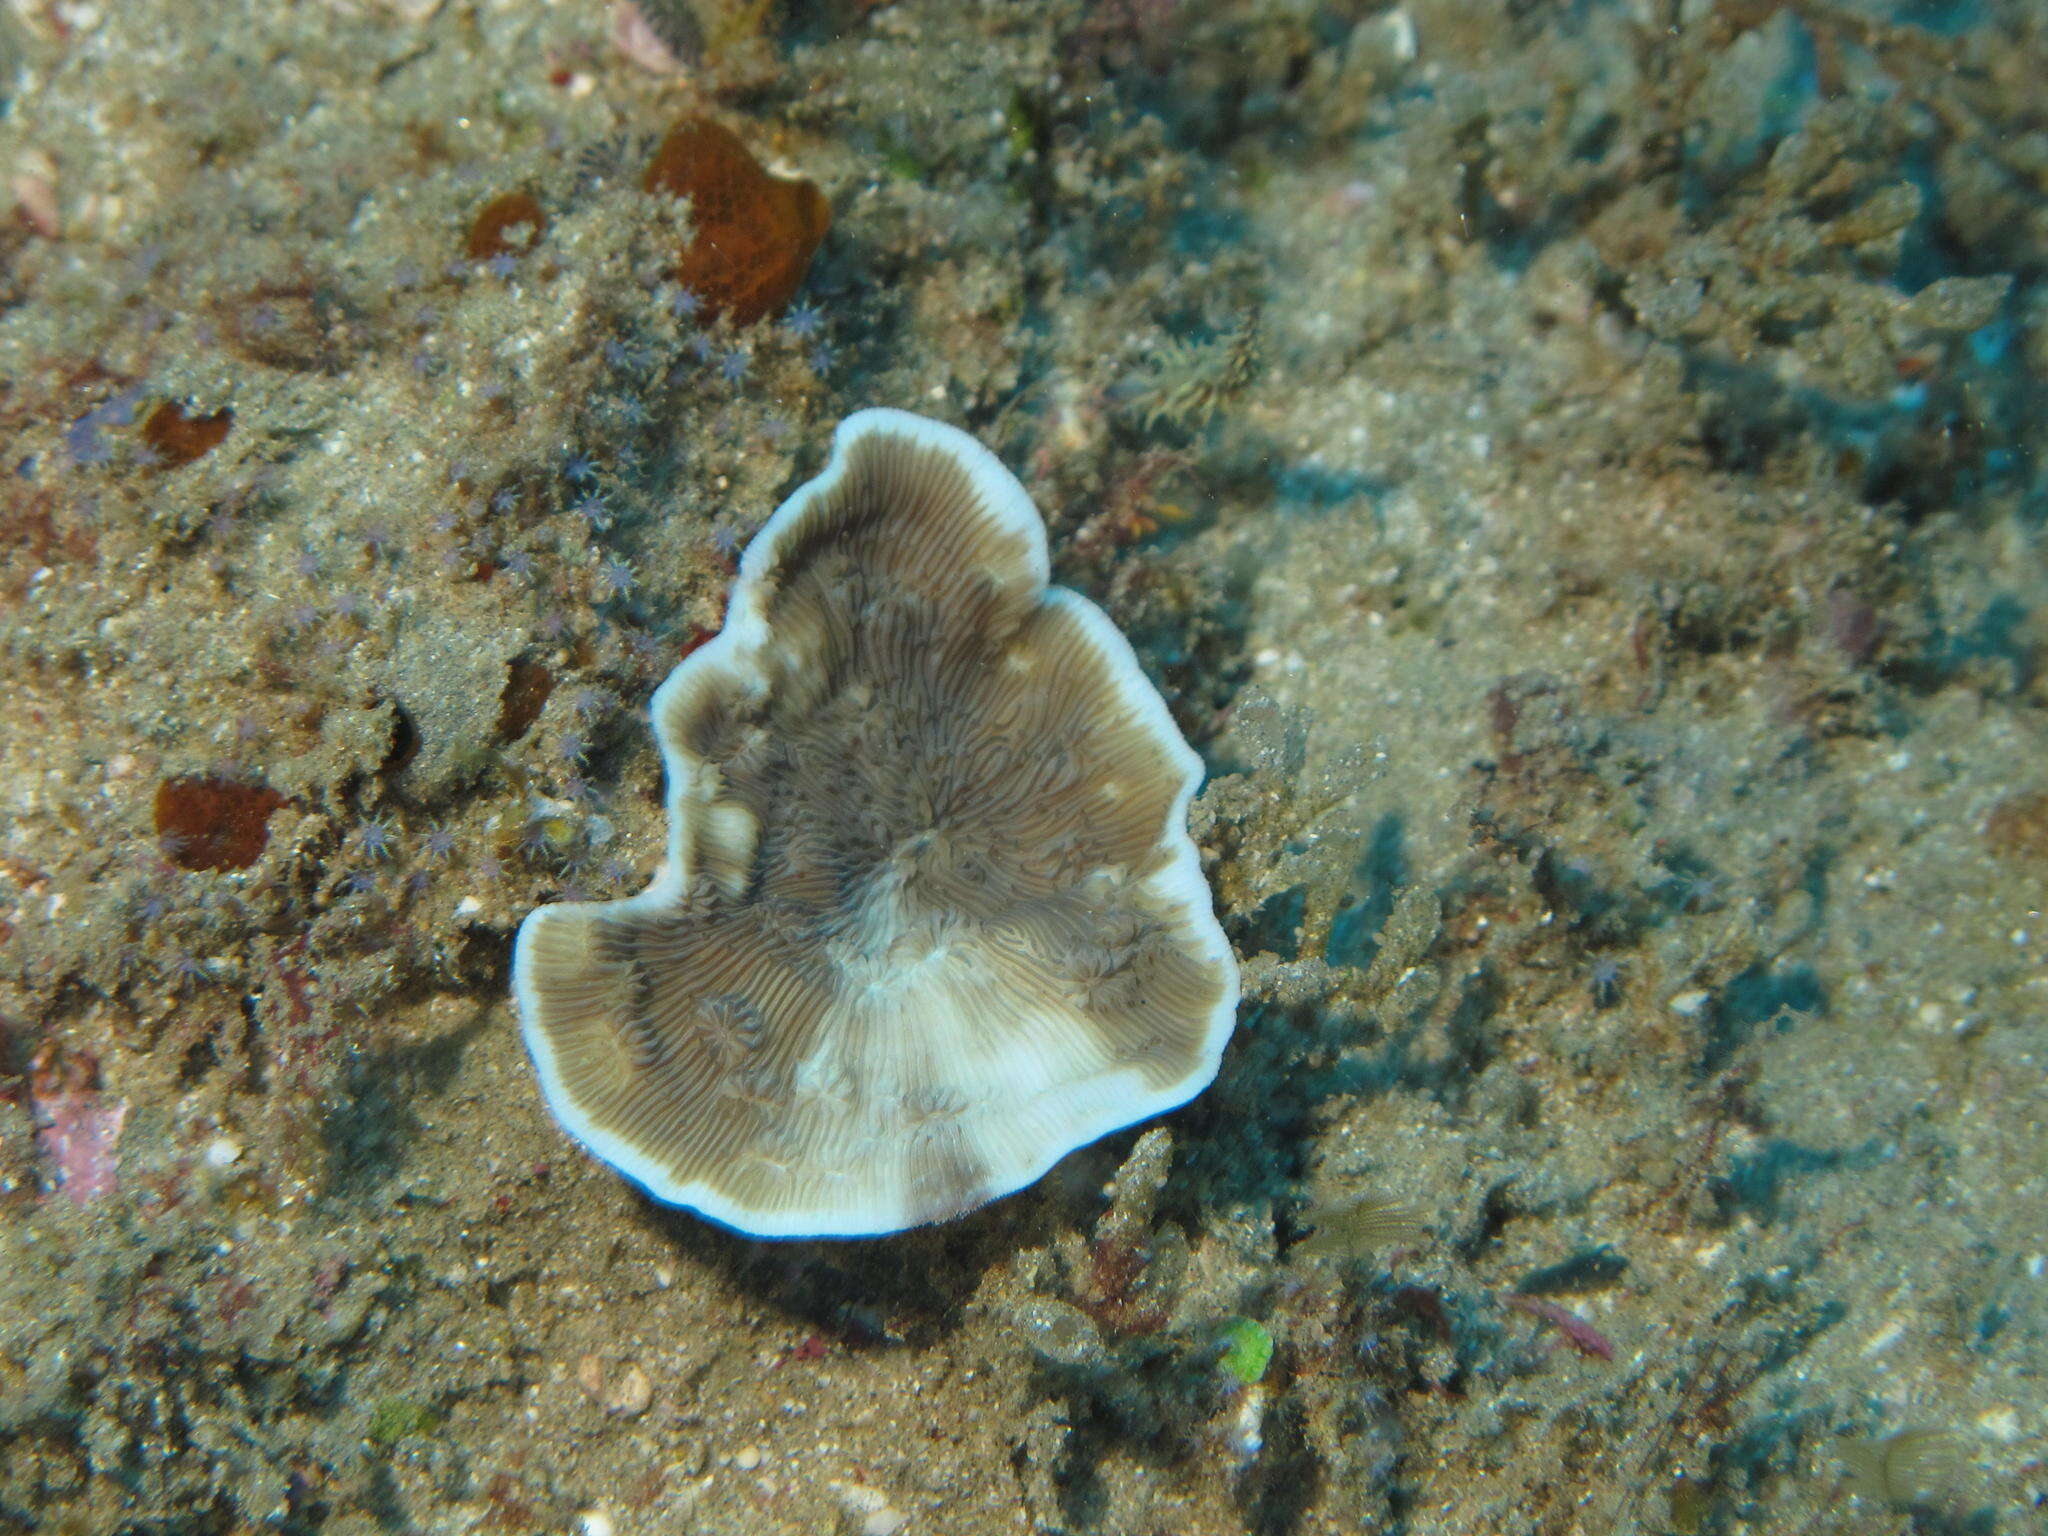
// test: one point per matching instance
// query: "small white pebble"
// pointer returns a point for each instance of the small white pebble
(469, 906)
(871, 1507)
(2000, 1422)
(595, 1522)
(629, 1393)
(1401, 34)
(1246, 1436)
(749, 1457)
(1687, 1004)
(222, 1153)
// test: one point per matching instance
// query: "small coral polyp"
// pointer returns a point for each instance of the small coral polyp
(931, 917)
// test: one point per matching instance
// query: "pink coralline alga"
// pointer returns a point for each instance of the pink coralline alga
(76, 1129)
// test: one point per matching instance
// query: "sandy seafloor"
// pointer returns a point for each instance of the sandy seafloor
(1577, 473)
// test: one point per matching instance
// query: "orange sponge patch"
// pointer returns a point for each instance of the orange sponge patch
(214, 823)
(510, 225)
(177, 437)
(755, 232)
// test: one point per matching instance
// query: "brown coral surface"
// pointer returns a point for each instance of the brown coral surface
(931, 918)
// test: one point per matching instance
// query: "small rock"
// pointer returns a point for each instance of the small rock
(34, 185)
(1958, 303)
(625, 1392)
(868, 1510)
(1135, 1190)
(1058, 1333)
(639, 43)
(748, 1458)
(630, 1393)
(1752, 96)
(342, 1318)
